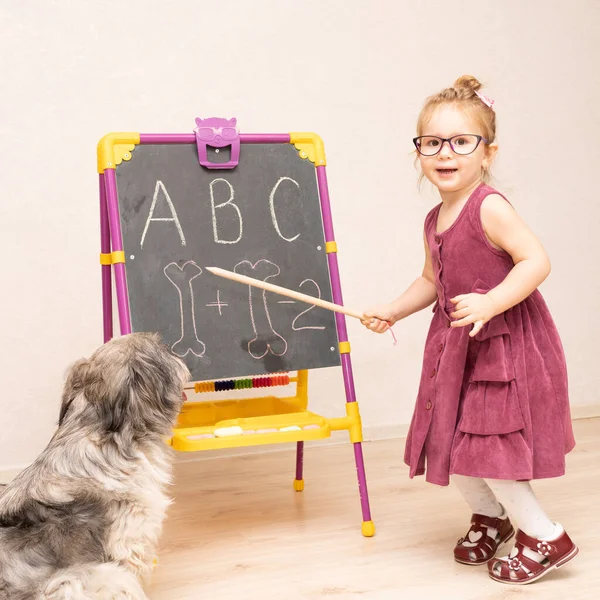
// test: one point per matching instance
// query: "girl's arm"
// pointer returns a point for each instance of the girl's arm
(506, 230)
(419, 295)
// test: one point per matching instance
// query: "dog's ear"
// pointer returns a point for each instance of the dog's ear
(73, 386)
(115, 400)
(154, 401)
(115, 412)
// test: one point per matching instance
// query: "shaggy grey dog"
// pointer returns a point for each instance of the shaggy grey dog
(82, 522)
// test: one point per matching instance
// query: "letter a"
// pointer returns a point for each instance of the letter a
(174, 219)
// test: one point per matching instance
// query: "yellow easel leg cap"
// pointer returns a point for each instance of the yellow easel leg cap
(368, 528)
(298, 484)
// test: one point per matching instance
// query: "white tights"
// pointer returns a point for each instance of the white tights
(491, 497)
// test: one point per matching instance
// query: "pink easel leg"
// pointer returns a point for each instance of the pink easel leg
(117, 245)
(106, 269)
(299, 481)
(358, 453)
(368, 528)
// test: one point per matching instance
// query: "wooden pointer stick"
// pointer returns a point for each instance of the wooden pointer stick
(276, 289)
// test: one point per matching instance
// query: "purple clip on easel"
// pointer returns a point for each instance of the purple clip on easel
(217, 133)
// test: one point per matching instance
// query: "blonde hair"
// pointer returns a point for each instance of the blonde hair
(462, 94)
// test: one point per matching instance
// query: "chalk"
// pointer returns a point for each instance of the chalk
(228, 431)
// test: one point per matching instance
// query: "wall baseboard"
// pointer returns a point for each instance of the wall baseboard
(371, 433)
(9, 473)
(585, 412)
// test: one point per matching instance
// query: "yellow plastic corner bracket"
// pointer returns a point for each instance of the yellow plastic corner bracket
(368, 528)
(330, 247)
(114, 148)
(310, 146)
(299, 484)
(344, 347)
(113, 258)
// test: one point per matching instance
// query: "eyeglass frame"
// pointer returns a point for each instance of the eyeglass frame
(480, 139)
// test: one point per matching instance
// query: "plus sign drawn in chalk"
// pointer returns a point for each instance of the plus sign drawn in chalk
(218, 303)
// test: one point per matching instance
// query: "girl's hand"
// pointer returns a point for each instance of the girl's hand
(473, 308)
(379, 319)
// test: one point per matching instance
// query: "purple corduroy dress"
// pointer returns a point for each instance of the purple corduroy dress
(495, 405)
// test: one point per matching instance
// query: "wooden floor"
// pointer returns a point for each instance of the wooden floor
(238, 530)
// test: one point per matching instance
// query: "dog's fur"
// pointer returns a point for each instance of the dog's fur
(82, 522)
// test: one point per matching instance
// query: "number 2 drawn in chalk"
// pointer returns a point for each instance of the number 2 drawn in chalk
(308, 309)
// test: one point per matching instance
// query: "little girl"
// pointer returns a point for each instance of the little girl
(492, 409)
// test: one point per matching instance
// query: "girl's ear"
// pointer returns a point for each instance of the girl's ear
(490, 154)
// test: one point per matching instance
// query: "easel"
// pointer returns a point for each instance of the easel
(266, 416)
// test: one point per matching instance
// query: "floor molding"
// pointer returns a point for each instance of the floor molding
(371, 433)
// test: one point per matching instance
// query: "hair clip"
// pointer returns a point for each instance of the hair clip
(487, 101)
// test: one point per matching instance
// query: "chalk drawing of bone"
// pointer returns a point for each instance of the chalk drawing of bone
(181, 278)
(276, 344)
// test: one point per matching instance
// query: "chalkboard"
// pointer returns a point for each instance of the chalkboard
(262, 219)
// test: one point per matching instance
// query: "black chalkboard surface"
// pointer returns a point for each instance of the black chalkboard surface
(261, 219)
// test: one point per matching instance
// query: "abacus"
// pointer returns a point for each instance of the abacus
(241, 384)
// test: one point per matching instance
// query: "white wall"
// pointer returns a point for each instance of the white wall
(356, 73)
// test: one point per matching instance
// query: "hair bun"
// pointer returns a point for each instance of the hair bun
(467, 82)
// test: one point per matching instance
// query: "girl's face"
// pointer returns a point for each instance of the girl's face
(449, 171)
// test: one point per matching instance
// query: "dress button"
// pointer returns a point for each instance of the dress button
(428, 406)
(441, 347)
(433, 373)
(438, 239)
